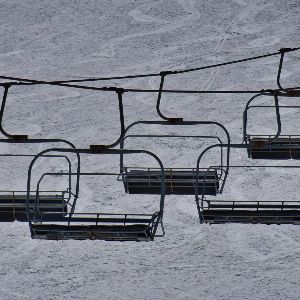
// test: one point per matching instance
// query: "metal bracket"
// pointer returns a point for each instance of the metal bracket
(98, 148)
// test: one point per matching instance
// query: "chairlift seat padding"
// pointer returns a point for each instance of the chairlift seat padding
(176, 182)
(13, 207)
(263, 148)
(140, 232)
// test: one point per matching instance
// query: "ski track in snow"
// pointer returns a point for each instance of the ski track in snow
(64, 39)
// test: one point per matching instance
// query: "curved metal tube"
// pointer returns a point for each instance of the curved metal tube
(277, 118)
(41, 178)
(88, 151)
(33, 141)
(5, 93)
(161, 85)
(279, 70)
(245, 113)
(55, 156)
(197, 171)
(183, 123)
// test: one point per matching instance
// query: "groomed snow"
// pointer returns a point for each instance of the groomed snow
(57, 40)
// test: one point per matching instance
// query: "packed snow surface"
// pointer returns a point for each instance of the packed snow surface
(60, 40)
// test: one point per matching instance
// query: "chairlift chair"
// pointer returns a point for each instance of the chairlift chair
(272, 147)
(178, 181)
(255, 212)
(93, 226)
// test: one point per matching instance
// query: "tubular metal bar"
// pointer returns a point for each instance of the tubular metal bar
(277, 119)
(246, 137)
(94, 152)
(122, 138)
(272, 106)
(5, 93)
(34, 141)
(85, 217)
(162, 79)
(186, 123)
(237, 146)
(178, 136)
(163, 74)
(55, 156)
(198, 169)
(275, 94)
(282, 53)
(245, 114)
(120, 93)
(280, 69)
(121, 110)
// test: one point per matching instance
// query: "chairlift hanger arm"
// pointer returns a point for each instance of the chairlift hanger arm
(282, 53)
(278, 119)
(14, 137)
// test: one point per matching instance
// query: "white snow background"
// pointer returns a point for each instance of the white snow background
(57, 40)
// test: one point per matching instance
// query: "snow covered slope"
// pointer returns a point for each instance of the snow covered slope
(62, 39)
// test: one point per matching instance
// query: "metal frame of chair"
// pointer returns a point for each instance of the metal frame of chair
(102, 226)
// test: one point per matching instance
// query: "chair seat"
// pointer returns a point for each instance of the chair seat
(263, 148)
(138, 232)
(220, 216)
(13, 208)
(176, 182)
(254, 206)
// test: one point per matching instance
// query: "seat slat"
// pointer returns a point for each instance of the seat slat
(255, 206)
(245, 216)
(13, 208)
(93, 232)
(176, 182)
(261, 148)
(43, 199)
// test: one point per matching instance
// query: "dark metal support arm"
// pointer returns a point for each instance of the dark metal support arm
(280, 69)
(163, 74)
(277, 118)
(10, 136)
